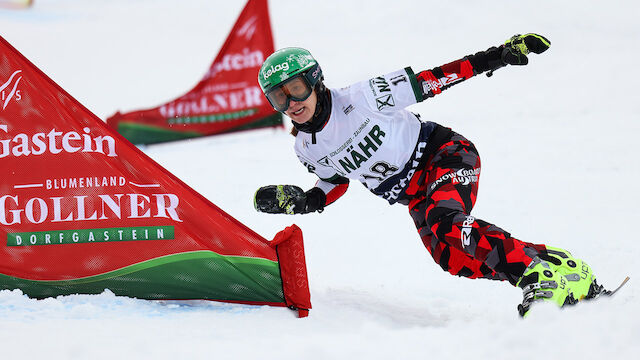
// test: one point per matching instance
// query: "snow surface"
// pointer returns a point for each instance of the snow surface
(558, 140)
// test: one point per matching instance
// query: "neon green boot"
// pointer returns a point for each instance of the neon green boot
(541, 283)
(579, 275)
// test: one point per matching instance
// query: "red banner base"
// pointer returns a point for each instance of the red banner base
(293, 269)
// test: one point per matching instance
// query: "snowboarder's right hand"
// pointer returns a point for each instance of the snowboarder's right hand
(280, 199)
(518, 46)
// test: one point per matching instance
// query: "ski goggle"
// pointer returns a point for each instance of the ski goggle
(297, 88)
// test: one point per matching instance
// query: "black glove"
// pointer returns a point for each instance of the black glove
(516, 49)
(288, 199)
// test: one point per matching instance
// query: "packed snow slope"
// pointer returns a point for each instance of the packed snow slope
(558, 139)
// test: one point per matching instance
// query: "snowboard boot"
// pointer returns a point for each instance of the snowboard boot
(579, 275)
(540, 282)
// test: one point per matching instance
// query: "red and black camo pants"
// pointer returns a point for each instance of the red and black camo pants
(444, 194)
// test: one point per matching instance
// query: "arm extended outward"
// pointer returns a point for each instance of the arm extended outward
(513, 52)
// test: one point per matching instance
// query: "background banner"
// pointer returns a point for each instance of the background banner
(227, 99)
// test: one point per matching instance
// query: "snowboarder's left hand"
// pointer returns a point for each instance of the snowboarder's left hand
(280, 199)
(518, 46)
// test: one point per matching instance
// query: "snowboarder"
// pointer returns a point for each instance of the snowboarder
(363, 132)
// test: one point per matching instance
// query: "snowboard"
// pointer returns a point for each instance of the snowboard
(595, 292)
(600, 290)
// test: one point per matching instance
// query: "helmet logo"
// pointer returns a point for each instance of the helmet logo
(301, 59)
(273, 69)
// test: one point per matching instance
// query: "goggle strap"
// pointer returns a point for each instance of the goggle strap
(309, 75)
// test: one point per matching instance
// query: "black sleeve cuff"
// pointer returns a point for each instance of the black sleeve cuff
(488, 60)
(316, 199)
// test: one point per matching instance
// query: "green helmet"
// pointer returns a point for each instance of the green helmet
(285, 64)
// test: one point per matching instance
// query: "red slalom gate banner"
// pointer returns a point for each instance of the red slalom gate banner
(83, 210)
(227, 99)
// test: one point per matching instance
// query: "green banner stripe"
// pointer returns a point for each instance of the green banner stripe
(191, 275)
(234, 261)
(148, 134)
(62, 237)
(206, 119)
(269, 121)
